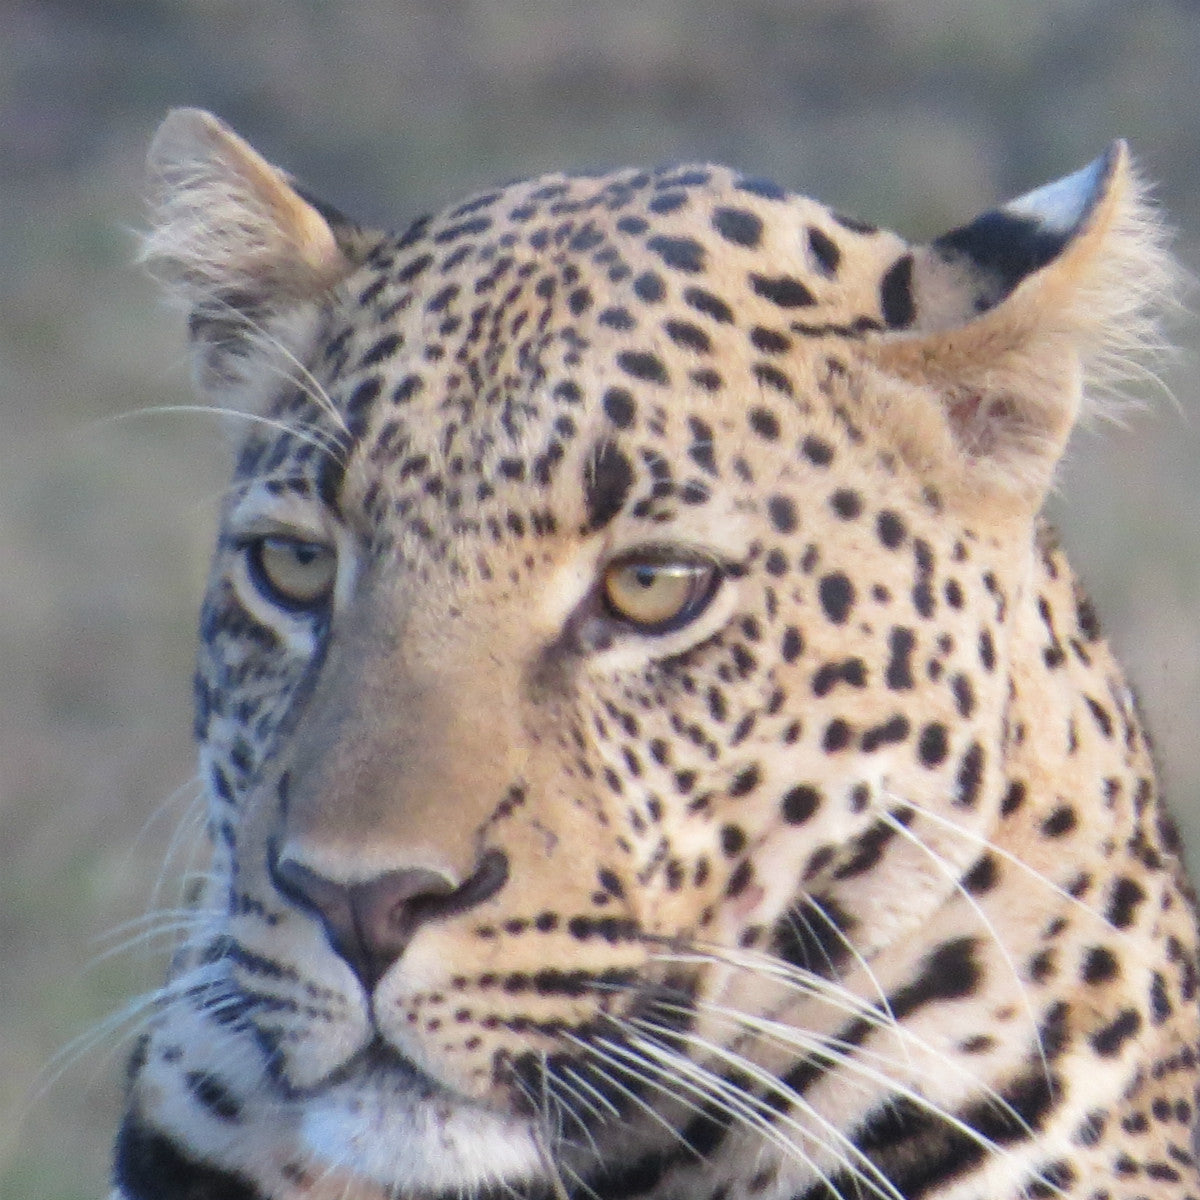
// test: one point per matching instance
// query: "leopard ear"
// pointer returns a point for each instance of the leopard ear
(1007, 323)
(241, 250)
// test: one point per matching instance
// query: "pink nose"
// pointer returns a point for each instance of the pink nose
(370, 924)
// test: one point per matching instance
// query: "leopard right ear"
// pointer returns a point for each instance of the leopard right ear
(245, 254)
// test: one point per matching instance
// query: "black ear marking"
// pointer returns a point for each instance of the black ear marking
(1004, 249)
(1007, 244)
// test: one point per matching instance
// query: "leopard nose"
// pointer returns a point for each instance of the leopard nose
(370, 923)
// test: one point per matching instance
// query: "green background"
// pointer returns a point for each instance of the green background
(912, 113)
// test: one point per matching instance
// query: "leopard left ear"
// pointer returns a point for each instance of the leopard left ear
(244, 252)
(1006, 323)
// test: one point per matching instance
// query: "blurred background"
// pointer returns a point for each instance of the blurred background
(911, 113)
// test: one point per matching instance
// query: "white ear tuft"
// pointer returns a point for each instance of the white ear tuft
(226, 224)
(244, 253)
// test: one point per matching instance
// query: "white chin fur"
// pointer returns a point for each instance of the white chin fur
(419, 1142)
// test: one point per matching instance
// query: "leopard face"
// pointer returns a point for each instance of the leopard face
(650, 738)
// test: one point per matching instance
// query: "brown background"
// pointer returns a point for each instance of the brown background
(912, 113)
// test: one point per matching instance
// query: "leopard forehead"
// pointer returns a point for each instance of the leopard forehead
(551, 354)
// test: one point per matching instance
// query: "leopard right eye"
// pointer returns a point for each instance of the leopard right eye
(291, 572)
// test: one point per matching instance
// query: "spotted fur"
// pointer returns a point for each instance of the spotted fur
(849, 878)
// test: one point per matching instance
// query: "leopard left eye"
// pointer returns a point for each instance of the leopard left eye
(291, 572)
(658, 594)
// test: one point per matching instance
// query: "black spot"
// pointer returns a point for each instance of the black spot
(761, 187)
(772, 377)
(739, 226)
(619, 407)
(210, 1093)
(407, 388)
(799, 803)
(1099, 966)
(642, 364)
(744, 782)
(649, 287)
(922, 593)
(1041, 966)
(824, 250)
(852, 671)
(899, 676)
(710, 305)
(783, 290)
(733, 840)
(668, 202)
(970, 777)
(792, 644)
(947, 973)
(383, 349)
(846, 503)
(1160, 1004)
(360, 401)
(440, 301)
(606, 484)
(743, 873)
(1123, 902)
(854, 224)
(689, 336)
(837, 596)
(987, 650)
(964, 695)
(837, 735)
(896, 295)
(1101, 716)
(894, 729)
(1108, 1040)
(818, 451)
(633, 225)
(933, 745)
(1061, 821)
(814, 936)
(890, 529)
(411, 270)
(764, 423)
(683, 254)
(769, 341)
(982, 876)
(618, 318)
(782, 512)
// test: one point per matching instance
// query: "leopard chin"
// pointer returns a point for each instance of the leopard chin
(376, 1125)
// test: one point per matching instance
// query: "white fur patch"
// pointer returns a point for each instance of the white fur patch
(422, 1143)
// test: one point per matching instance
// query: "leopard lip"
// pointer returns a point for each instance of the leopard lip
(380, 1060)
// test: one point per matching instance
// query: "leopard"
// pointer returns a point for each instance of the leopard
(654, 744)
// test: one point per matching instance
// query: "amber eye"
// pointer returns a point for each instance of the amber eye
(659, 594)
(292, 572)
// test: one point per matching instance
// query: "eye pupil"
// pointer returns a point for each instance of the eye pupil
(293, 573)
(656, 594)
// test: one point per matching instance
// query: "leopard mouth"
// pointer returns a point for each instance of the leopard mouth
(380, 1063)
